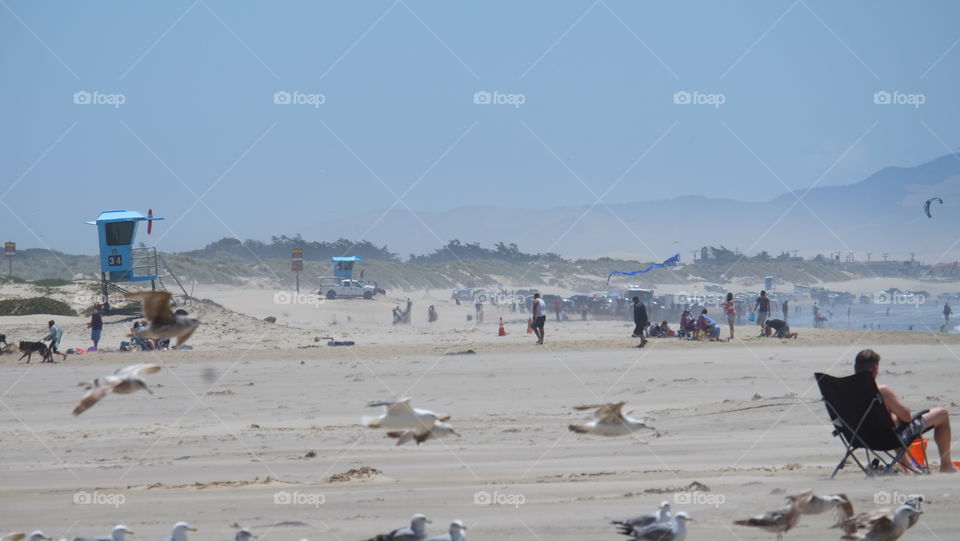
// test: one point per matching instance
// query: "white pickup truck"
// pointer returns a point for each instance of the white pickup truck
(332, 288)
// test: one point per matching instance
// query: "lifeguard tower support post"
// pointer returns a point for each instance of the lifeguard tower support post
(119, 260)
(343, 267)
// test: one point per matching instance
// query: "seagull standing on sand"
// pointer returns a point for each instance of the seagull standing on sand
(401, 415)
(116, 535)
(610, 421)
(779, 521)
(627, 527)
(809, 503)
(124, 381)
(455, 534)
(882, 522)
(667, 531)
(417, 531)
(163, 322)
(179, 532)
(439, 430)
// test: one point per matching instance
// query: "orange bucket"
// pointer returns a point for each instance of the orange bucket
(918, 451)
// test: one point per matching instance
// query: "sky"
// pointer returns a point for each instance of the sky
(250, 119)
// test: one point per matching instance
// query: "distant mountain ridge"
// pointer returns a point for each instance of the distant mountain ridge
(880, 214)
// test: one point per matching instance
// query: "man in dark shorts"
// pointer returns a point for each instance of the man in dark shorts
(96, 327)
(640, 321)
(868, 360)
(539, 316)
(778, 328)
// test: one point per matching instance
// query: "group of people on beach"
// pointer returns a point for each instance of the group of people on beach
(703, 326)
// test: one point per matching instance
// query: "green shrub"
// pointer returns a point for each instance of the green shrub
(35, 305)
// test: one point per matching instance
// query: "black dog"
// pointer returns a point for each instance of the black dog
(29, 348)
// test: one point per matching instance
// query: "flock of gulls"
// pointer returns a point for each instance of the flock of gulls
(881, 525)
(406, 423)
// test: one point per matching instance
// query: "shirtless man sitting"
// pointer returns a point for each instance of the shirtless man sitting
(938, 418)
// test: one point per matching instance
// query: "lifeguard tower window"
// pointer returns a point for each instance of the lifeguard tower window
(344, 265)
(119, 233)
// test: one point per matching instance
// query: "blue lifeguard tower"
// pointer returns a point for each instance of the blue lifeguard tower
(119, 260)
(343, 267)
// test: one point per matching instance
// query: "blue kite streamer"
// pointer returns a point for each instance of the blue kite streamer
(669, 262)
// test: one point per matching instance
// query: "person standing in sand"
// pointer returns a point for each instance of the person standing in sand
(731, 311)
(785, 309)
(946, 312)
(868, 360)
(539, 316)
(762, 308)
(640, 321)
(96, 327)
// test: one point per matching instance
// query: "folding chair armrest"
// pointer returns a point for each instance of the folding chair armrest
(919, 414)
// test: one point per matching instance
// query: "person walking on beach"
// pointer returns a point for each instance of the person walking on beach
(56, 333)
(946, 312)
(785, 309)
(539, 316)
(96, 327)
(731, 311)
(640, 321)
(762, 308)
(557, 306)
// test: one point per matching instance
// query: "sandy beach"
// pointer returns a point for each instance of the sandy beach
(258, 425)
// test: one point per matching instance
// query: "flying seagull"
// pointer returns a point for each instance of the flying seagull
(400, 415)
(610, 421)
(438, 430)
(163, 322)
(809, 503)
(124, 381)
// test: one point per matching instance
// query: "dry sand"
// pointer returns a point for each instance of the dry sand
(259, 412)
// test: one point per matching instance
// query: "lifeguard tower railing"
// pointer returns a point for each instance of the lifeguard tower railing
(144, 262)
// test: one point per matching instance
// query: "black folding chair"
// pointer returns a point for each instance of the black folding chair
(862, 421)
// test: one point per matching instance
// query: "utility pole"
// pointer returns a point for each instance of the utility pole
(868, 256)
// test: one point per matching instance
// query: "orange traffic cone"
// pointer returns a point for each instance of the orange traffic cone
(529, 325)
(502, 331)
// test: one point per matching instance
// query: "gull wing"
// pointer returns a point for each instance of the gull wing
(156, 306)
(400, 405)
(137, 370)
(95, 394)
(185, 336)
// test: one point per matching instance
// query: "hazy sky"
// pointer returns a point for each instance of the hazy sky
(184, 118)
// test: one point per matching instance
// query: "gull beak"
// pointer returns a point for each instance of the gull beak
(191, 529)
(130, 532)
(428, 521)
(463, 527)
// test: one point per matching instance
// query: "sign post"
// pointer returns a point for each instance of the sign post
(296, 264)
(9, 250)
